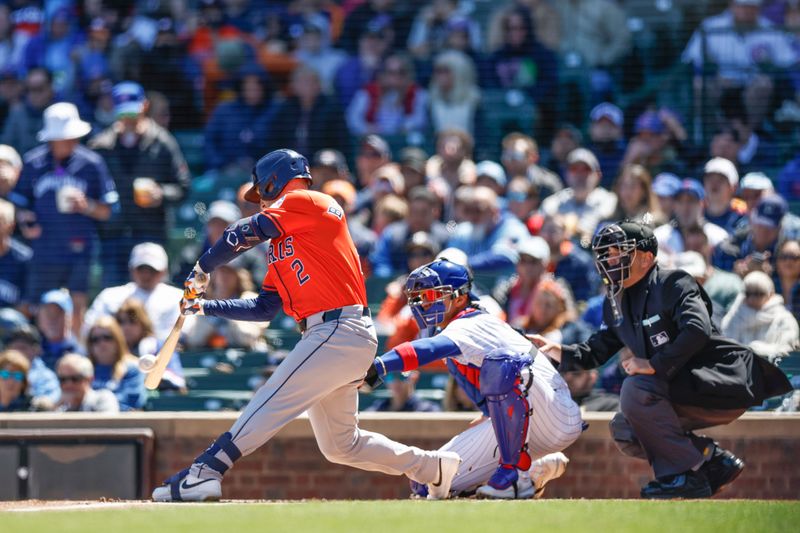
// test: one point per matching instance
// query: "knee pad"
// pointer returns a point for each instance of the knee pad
(224, 443)
(508, 407)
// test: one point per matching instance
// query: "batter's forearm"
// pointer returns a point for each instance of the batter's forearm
(260, 309)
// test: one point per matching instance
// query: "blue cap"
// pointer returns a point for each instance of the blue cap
(609, 111)
(60, 297)
(128, 98)
(770, 211)
(650, 121)
(692, 186)
(666, 184)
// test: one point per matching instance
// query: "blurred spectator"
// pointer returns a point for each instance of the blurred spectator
(15, 258)
(307, 121)
(10, 87)
(429, 31)
(137, 328)
(92, 57)
(454, 93)
(745, 51)
(328, 165)
(159, 109)
(53, 49)
(42, 382)
(583, 199)
(607, 140)
(752, 247)
(665, 186)
(314, 53)
(392, 105)
(361, 69)
(522, 201)
(232, 140)
(76, 374)
(491, 174)
(788, 274)
(738, 142)
(788, 179)
(544, 19)
(26, 118)
(759, 319)
(566, 138)
(635, 197)
(452, 164)
(148, 268)
(516, 295)
(521, 157)
(14, 395)
(753, 187)
(521, 63)
(583, 390)
(54, 318)
(67, 190)
(373, 153)
(389, 209)
(722, 287)
(412, 165)
(150, 174)
(720, 179)
(402, 395)
(115, 369)
(488, 236)
(568, 261)
(652, 146)
(594, 33)
(390, 255)
(552, 314)
(228, 282)
(385, 14)
(688, 211)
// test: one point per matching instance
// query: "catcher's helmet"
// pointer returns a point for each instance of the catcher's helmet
(273, 171)
(430, 286)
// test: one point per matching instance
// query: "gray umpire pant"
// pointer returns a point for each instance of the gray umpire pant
(651, 427)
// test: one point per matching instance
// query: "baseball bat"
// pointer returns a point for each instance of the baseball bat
(153, 378)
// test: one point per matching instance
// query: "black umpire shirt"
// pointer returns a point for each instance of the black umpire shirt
(667, 320)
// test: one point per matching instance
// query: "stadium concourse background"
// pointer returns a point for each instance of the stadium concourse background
(436, 124)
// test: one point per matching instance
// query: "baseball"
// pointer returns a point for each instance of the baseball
(147, 362)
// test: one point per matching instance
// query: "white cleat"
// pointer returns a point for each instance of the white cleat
(521, 489)
(546, 469)
(448, 467)
(189, 489)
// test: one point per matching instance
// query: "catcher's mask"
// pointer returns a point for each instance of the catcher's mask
(431, 286)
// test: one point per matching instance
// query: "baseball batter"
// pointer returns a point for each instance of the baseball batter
(532, 415)
(314, 274)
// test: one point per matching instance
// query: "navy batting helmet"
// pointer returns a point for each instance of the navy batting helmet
(429, 287)
(273, 171)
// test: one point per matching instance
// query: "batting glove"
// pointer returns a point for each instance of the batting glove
(373, 380)
(196, 283)
(192, 307)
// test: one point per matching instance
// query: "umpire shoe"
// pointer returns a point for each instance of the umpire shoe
(546, 469)
(690, 484)
(184, 487)
(507, 484)
(448, 467)
(722, 468)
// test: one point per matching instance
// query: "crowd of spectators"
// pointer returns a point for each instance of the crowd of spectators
(500, 134)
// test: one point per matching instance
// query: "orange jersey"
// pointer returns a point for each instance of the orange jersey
(313, 265)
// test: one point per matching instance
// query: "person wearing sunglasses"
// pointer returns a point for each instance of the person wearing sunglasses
(759, 319)
(115, 368)
(75, 375)
(788, 273)
(14, 382)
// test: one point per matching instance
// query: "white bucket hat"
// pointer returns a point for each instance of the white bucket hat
(62, 122)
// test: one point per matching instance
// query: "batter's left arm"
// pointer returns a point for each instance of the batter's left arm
(263, 308)
(238, 238)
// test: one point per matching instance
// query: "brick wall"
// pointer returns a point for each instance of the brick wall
(291, 466)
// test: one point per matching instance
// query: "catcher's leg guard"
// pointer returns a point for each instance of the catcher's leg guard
(508, 408)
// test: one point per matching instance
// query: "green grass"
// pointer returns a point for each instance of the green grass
(595, 516)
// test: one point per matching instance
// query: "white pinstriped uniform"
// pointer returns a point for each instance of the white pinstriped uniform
(556, 420)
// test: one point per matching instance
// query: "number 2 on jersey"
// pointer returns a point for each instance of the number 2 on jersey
(297, 267)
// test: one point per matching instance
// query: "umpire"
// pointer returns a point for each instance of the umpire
(683, 376)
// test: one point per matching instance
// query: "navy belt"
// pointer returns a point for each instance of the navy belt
(330, 316)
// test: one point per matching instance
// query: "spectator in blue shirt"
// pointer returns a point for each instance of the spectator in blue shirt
(607, 140)
(53, 318)
(488, 236)
(390, 255)
(42, 382)
(67, 189)
(115, 369)
(720, 179)
(25, 117)
(15, 258)
(568, 261)
(10, 166)
(53, 49)
(788, 179)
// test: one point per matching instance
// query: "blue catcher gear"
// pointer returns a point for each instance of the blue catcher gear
(509, 410)
(273, 171)
(429, 287)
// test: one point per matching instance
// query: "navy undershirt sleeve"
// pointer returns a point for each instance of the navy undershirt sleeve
(232, 242)
(263, 308)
